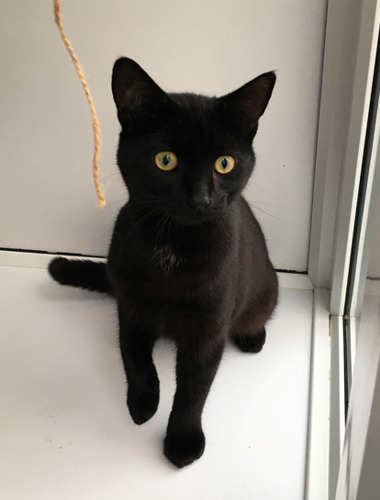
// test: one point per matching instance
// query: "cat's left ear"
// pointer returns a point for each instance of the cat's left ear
(249, 102)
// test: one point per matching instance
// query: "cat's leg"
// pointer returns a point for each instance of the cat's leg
(250, 343)
(197, 363)
(248, 332)
(136, 345)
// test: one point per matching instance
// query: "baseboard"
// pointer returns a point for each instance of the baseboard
(35, 259)
(41, 260)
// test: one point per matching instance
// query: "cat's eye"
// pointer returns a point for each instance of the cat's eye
(166, 160)
(224, 164)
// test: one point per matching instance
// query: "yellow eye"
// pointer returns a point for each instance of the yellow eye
(224, 164)
(166, 160)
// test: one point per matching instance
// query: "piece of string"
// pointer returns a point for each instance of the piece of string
(95, 121)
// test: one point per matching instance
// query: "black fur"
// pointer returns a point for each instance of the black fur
(187, 258)
(81, 273)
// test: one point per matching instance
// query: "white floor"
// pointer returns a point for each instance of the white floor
(65, 433)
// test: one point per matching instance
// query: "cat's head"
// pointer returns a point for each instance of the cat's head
(187, 155)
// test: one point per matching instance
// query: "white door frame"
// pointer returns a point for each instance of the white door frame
(351, 36)
(350, 48)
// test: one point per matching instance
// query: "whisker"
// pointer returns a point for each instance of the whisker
(261, 202)
(137, 223)
(114, 174)
(253, 183)
(222, 224)
(263, 211)
(116, 202)
(160, 229)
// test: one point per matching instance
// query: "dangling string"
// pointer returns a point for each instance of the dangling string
(95, 121)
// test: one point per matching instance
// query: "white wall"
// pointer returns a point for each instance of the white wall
(47, 200)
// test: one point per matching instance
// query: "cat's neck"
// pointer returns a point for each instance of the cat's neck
(161, 229)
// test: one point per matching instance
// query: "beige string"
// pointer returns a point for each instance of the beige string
(95, 121)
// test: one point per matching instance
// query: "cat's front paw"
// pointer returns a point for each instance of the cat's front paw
(251, 343)
(183, 450)
(142, 405)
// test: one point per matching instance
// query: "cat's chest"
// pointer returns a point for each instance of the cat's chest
(152, 257)
(180, 251)
(167, 259)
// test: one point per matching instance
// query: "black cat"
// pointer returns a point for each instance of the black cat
(187, 258)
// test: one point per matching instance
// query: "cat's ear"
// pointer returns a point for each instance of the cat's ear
(135, 93)
(249, 102)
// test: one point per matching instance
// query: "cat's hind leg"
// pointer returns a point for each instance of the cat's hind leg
(248, 331)
(250, 343)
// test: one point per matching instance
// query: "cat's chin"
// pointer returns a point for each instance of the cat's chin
(196, 219)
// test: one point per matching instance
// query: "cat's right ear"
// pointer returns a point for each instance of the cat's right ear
(135, 94)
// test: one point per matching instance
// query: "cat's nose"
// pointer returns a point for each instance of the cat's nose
(198, 195)
(199, 201)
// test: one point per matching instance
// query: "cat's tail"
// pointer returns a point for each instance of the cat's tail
(81, 273)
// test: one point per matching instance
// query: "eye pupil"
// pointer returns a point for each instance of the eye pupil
(166, 160)
(224, 164)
